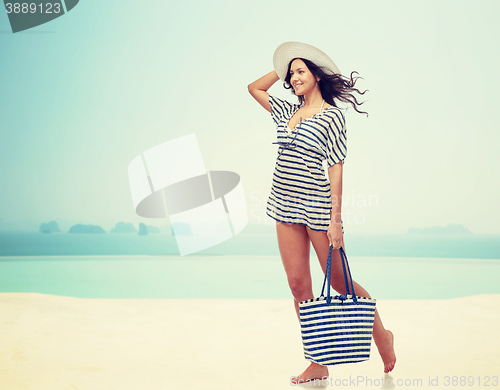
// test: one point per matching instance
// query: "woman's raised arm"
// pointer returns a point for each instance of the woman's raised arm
(258, 89)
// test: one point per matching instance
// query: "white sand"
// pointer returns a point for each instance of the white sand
(56, 342)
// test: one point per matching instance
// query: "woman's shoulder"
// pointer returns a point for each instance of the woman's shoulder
(330, 107)
(335, 114)
(332, 110)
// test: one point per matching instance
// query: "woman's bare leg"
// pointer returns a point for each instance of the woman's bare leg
(295, 247)
(384, 339)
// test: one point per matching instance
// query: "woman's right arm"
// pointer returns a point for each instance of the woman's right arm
(258, 89)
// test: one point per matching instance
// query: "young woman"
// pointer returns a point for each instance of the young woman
(305, 206)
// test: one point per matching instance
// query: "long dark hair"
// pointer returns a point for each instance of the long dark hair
(332, 86)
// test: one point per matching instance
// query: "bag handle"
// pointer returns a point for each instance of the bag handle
(328, 272)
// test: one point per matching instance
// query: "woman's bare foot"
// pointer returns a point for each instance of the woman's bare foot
(386, 350)
(314, 371)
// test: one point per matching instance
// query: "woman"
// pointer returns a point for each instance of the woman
(305, 206)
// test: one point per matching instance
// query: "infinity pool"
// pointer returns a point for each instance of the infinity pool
(239, 277)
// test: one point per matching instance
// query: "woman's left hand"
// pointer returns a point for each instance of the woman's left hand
(335, 236)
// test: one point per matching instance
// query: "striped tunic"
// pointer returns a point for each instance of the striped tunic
(300, 193)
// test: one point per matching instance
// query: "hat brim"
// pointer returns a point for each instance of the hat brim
(287, 51)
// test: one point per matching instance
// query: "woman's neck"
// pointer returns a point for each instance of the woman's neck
(314, 99)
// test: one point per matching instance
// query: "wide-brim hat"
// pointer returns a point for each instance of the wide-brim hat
(287, 51)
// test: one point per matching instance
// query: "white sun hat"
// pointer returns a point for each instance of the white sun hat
(287, 51)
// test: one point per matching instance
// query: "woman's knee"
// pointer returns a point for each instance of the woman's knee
(301, 288)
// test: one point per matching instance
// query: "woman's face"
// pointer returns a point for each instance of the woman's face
(301, 78)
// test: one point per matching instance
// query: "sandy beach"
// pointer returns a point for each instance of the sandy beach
(58, 342)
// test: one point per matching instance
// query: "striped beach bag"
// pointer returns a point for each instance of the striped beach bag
(337, 330)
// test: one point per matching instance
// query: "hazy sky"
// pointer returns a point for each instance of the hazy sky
(109, 80)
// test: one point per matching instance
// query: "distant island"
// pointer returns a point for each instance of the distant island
(153, 229)
(122, 227)
(144, 230)
(50, 227)
(86, 229)
(448, 229)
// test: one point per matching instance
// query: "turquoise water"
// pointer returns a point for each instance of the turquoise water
(249, 242)
(248, 266)
(239, 277)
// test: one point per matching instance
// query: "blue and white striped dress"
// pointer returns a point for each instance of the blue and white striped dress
(300, 192)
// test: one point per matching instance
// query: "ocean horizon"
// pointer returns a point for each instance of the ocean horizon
(248, 266)
(474, 246)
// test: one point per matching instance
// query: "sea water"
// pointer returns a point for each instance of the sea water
(247, 243)
(248, 266)
(239, 277)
